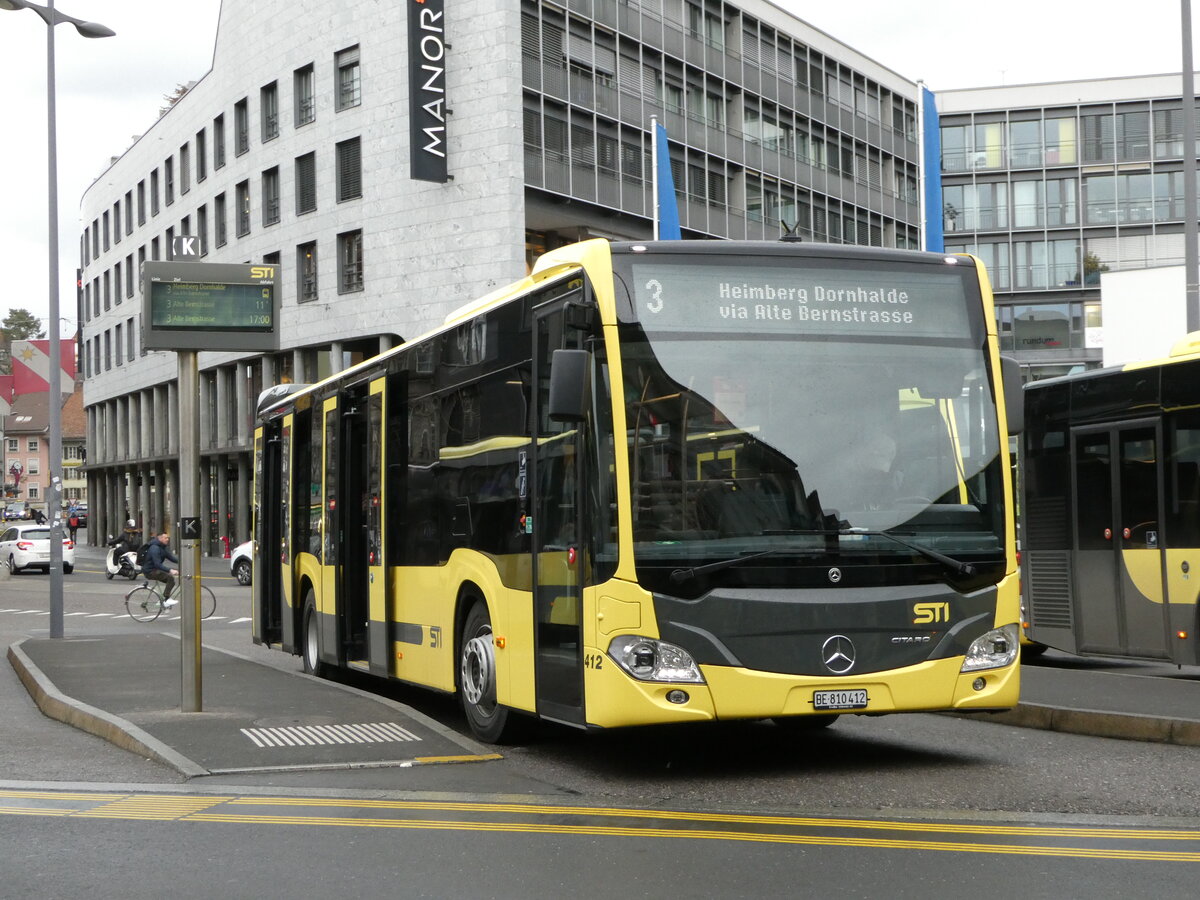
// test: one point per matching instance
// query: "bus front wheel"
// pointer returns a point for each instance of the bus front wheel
(489, 720)
(312, 645)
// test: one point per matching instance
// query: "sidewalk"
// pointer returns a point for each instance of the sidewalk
(254, 718)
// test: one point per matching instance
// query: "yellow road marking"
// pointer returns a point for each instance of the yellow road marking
(200, 808)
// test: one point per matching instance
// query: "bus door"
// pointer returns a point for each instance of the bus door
(270, 502)
(1118, 558)
(356, 521)
(557, 557)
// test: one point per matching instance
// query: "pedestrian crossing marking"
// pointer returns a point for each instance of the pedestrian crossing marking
(325, 735)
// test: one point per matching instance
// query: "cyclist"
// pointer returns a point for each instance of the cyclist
(158, 554)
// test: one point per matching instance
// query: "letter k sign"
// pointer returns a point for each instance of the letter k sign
(185, 246)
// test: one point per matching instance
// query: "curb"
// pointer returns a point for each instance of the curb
(114, 729)
(1097, 723)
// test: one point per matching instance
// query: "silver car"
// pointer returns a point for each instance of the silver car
(28, 547)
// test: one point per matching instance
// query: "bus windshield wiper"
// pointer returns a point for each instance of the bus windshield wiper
(962, 568)
(681, 575)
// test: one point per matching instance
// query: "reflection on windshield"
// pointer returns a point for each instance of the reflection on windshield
(741, 442)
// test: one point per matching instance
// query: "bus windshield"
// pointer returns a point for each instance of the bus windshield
(808, 412)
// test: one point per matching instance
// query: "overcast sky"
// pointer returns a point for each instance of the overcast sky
(110, 90)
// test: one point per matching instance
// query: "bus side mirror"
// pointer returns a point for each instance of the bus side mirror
(569, 385)
(1014, 394)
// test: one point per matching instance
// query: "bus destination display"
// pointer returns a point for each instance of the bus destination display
(901, 303)
(209, 306)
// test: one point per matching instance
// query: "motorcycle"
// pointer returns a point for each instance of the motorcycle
(121, 559)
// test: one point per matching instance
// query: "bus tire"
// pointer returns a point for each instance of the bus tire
(311, 654)
(489, 721)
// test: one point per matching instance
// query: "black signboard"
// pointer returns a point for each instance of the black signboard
(209, 306)
(427, 90)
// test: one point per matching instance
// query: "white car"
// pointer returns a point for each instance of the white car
(241, 562)
(28, 547)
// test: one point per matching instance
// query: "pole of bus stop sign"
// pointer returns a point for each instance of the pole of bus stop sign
(189, 531)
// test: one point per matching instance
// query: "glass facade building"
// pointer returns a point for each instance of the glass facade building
(1052, 185)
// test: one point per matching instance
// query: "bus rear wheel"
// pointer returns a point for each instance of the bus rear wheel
(312, 645)
(489, 720)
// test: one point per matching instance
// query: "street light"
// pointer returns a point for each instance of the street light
(54, 494)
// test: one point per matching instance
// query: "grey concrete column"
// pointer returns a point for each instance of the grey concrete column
(245, 403)
(242, 513)
(172, 418)
(173, 509)
(222, 407)
(385, 343)
(299, 375)
(206, 529)
(143, 514)
(155, 520)
(222, 485)
(335, 357)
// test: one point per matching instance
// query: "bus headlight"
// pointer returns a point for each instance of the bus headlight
(994, 650)
(648, 659)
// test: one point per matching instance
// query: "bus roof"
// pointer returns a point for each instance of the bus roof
(1184, 350)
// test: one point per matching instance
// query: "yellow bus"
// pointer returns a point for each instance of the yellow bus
(660, 482)
(1111, 525)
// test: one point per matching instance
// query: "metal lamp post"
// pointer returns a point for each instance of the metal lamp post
(54, 494)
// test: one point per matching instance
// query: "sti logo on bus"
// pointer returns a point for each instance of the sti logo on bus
(427, 90)
(926, 613)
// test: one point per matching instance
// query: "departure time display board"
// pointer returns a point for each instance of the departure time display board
(209, 306)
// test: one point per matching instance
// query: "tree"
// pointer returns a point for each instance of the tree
(174, 97)
(21, 325)
(18, 325)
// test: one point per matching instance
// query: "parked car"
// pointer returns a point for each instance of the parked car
(241, 562)
(28, 547)
(16, 510)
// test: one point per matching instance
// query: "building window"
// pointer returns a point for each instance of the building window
(306, 266)
(14, 446)
(350, 262)
(33, 465)
(117, 282)
(169, 180)
(242, 198)
(32, 447)
(306, 101)
(129, 212)
(201, 155)
(241, 125)
(141, 195)
(154, 193)
(219, 141)
(306, 183)
(219, 234)
(105, 219)
(349, 87)
(185, 169)
(117, 331)
(35, 490)
(129, 270)
(270, 196)
(117, 222)
(270, 112)
(129, 339)
(349, 170)
(202, 229)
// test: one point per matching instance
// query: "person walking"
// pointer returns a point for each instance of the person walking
(73, 522)
(158, 554)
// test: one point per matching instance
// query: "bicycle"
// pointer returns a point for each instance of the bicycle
(145, 602)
